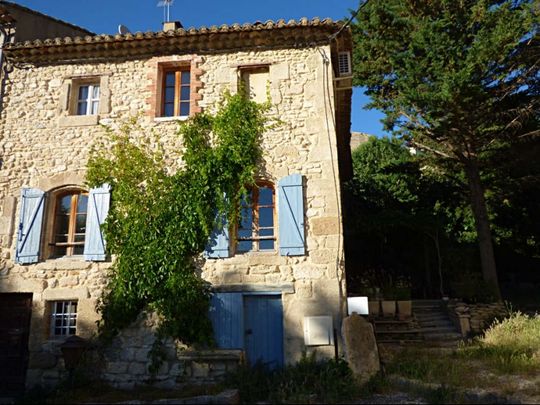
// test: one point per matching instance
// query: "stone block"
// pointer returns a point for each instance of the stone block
(325, 226)
(308, 272)
(137, 368)
(360, 347)
(117, 367)
(42, 360)
(200, 370)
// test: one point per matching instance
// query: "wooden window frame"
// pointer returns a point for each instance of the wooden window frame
(177, 89)
(255, 208)
(70, 244)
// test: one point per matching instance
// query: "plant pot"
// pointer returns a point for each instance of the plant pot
(404, 309)
(374, 308)
(388, 308)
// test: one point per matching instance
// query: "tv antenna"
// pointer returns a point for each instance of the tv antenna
(166, 4)
(123, 30)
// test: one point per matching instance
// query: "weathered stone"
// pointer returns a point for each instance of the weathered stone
(42, 360)
(325, 226)
(137, 368)
(360, 347)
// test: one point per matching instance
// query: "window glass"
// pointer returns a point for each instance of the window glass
(70, 223)
(176, 93)
(256, 223)
(88, 99)
(64, 318)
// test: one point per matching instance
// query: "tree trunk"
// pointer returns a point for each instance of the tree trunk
(485, 242)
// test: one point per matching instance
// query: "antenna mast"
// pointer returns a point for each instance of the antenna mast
(166, 4)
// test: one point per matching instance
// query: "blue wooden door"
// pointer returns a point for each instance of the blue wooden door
(263, 329)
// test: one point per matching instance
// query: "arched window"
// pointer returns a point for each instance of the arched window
(69, 228)
(256, 230)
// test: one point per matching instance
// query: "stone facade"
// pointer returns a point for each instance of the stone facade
(43, 146)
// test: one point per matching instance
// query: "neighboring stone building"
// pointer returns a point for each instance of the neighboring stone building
(357, 139)
(279, 291)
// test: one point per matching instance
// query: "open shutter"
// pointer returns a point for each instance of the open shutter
(291, 216)
(30, 221)
(218, 244)
(98, 206)
(227, 317)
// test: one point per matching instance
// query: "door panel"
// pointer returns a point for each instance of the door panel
(15, 312)
(263, 329)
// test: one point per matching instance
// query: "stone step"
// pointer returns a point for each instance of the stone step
(398, 332)
(433, 319)
(437, 325)
(442, 336)
(420, 303)
(439, 329)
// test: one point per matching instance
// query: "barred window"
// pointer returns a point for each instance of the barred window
(64, 318)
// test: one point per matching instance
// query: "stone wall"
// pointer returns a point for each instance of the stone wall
(40, 148)
(475, 318)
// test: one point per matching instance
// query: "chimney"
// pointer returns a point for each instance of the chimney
(172, 25)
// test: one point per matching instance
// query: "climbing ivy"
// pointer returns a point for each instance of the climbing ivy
(160, 221)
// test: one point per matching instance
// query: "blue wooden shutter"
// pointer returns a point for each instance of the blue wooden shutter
(30, 221)
(291, 216)
(218, 244)
(98, 206)
(227, 316)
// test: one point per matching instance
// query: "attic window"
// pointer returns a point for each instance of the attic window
(344, 63)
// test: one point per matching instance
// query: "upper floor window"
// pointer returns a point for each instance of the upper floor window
(70, 223)
(176, 93)
(88, 99)
(256, 229)
(255, 82)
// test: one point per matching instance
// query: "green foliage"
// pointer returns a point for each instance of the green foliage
(160, 220)
(325, 381)
(510, 345)
(460, 81)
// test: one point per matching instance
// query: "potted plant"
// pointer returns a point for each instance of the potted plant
(388, 304)
(403, 302)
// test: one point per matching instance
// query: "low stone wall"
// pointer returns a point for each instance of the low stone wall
(126, 362)
(474, 318)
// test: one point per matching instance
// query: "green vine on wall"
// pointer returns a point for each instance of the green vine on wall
(159, 222)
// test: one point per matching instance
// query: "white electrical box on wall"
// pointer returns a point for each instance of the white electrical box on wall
(358, 305)
(318, 330)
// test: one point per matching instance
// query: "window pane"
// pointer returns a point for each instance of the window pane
(95, 91)
(60, 238)
(81, 108)
(79, 237)
(80, 224)
(265, 196)
(60, 251)
(65, 204)
(245, 233)
(169, 94)
(83, 93)
(245, 246)
(184, 93)
(169, 79)
(168, 110)
(82, 204)
(266, 217)
(62, 225)
(246, 221)
(266, 245)
(266, 232)
(184, 109)
(185, 77)
(78, 250)
(95, 108)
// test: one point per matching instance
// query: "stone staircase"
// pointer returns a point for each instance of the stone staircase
(429, 326)
(434, 323)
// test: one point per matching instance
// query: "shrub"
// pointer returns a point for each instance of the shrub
(511, 344)
(309, 380)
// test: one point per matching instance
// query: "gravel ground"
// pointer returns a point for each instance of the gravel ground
(393, 398)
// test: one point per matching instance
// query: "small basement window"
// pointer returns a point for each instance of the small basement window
(63, 318)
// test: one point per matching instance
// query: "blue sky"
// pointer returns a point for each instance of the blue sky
(104, 16)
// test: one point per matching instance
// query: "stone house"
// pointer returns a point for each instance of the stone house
(279, 280)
